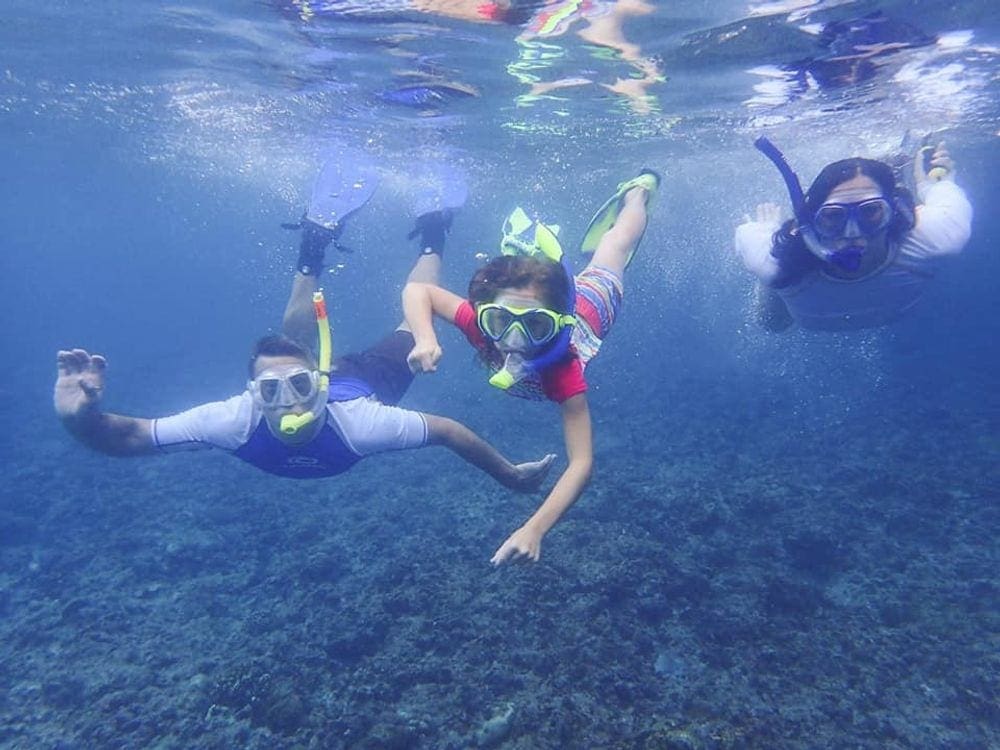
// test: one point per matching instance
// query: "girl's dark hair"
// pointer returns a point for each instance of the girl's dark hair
(787, 245)
(519, 271)
(275, 345)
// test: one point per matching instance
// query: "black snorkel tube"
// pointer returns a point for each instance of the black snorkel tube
(791, 179)
(848, 259)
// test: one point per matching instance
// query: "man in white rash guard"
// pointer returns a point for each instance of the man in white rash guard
(298, 417)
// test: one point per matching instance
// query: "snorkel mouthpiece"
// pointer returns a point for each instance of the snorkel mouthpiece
(292, 424)
(504, 379)
(848, 259)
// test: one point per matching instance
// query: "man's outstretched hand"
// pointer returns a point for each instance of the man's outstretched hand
(79, 383)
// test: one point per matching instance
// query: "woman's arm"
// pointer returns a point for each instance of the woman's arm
(944, 215)
(421, 302)
(944, 220)
(527, 540)
(753, 239)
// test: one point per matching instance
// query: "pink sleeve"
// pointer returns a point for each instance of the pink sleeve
(564, 380)
(465, 321)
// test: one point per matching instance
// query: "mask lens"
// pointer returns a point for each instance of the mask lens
(494, 321)
(873, 215)
(302, 384)
(540, 327)
(269, 389)
(830, 221)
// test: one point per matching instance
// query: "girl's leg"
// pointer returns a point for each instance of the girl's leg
(618, 243)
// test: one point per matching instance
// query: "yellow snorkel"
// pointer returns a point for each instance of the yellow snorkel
(291, 424)
(325, 343)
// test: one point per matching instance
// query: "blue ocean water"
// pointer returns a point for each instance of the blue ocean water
(789, 540)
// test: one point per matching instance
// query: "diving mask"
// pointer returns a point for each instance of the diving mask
(285, 387)
(548, 333)
(869, 216)
(537, 324)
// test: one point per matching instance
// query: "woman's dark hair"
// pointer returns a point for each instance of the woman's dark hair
(276, 345)
(787, 245)
(519, 271)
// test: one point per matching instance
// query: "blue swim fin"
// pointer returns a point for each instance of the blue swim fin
(439, 186)
(346, 182)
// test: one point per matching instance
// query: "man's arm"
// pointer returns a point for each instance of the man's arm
(527, 540)
(77, 400)
(457, 437)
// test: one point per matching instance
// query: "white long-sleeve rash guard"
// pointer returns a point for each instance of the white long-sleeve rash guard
(824, 302)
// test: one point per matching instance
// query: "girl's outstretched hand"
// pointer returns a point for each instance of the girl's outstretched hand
(526, 542)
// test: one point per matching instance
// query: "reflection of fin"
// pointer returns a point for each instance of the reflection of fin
(440, 186)
(607, 214)
(428, 95)
(346, 182)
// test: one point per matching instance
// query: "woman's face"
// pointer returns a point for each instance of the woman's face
(855, 190)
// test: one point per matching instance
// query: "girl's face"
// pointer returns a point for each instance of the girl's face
(514, 341)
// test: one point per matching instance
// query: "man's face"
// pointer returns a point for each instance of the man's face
(287, 385)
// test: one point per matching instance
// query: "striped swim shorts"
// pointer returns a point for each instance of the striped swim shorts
(598, 300)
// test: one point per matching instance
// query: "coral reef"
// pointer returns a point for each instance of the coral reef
(708, 592)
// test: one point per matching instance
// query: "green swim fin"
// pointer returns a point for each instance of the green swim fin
(607, 214)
